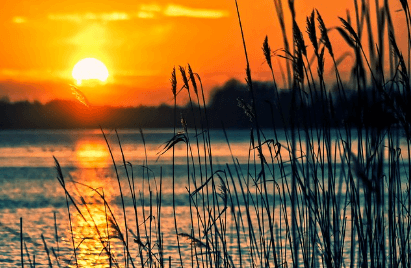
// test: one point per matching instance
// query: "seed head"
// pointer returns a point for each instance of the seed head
(298, 39)
(173, 81)
(192, 78)
(324, 34)
(267, 52)
(80, 96)
(184, 75)
(311, 31)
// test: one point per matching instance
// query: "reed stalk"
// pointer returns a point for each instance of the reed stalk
(323, 191)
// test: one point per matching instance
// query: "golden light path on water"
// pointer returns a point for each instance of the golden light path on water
(93, 225)
(92, 154)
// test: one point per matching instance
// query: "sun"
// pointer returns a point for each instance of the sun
(89, 69)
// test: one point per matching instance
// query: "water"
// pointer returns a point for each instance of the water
(30, 190)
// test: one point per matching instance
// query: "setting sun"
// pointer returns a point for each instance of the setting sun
(89, 69)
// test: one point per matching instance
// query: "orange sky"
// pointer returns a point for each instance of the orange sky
(140, 42)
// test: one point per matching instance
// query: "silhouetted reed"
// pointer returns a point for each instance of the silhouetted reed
(330, 193)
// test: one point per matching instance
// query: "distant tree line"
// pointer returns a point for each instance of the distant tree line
(229, 106)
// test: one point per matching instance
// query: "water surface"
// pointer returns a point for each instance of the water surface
(30, 190)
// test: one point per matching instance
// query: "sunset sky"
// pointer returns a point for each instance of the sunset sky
(140, 42)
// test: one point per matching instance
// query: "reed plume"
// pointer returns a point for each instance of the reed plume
(192, 79)
(173, 81)
(80, 96)
(324, 34)
(184, 76)
(267, 52)
(312, 32)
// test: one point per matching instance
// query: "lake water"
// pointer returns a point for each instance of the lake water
(29, 189)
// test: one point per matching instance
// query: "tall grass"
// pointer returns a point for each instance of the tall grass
(310, 195)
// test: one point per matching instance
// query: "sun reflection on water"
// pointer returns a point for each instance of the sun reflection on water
(92, 154)
(96, 187)
(94, 225)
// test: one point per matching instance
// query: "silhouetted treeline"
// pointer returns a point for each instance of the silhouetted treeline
(229, 105)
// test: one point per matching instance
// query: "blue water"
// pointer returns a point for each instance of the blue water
(30, 190)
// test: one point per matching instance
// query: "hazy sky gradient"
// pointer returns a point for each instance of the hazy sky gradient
(141, 41)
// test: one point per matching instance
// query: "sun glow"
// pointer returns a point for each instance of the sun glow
(89, 69)
(92, 154)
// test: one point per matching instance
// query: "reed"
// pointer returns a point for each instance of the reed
(315, 193)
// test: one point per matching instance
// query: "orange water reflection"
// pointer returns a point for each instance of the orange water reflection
(92, 154)
(93, 226)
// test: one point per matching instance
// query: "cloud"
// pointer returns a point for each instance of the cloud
(78, 18)
(151, 8)
(148, 11)
(33, 74)
(114, 16)
(144, 12)
(182, 11)
(66, 17)
(19, 20)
